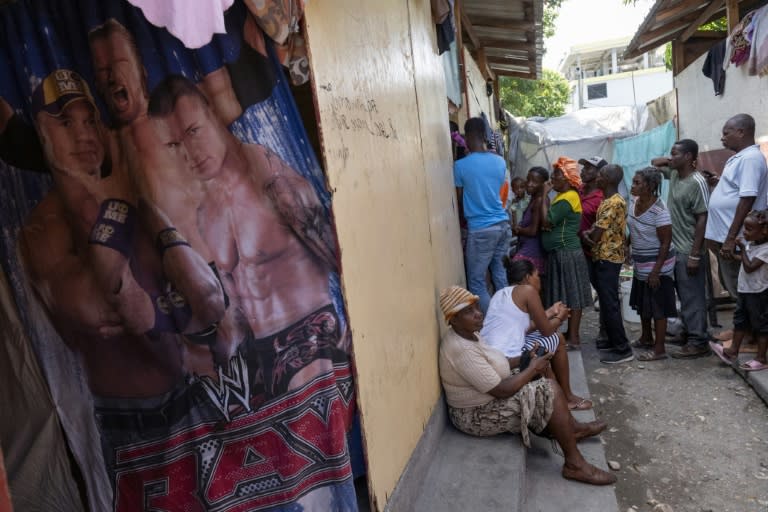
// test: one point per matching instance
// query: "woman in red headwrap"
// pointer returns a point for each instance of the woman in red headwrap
(567, 270)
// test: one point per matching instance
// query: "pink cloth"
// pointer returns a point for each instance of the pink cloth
(193, 22)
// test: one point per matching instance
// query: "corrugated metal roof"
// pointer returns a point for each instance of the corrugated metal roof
(505, 35)
(669, 20)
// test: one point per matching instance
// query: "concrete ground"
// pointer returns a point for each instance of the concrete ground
(689, 435)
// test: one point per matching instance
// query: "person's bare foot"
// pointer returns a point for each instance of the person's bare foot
(724, 335)
(588, 474)
(576, 403)
(593, 428)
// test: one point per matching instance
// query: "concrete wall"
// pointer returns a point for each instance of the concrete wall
(381, 100)
(478, 101)
(702, 114)
(648, 85)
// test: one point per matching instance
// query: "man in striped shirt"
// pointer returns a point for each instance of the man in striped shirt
(687, 202)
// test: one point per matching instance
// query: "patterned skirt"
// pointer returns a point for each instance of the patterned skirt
(568, 279)
(530, 408)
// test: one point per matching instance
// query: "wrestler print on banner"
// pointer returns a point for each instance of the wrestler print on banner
(193, 273)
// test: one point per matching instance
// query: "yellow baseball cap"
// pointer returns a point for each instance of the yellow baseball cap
(59, 89)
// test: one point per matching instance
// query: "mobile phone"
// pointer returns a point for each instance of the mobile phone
(525, 357)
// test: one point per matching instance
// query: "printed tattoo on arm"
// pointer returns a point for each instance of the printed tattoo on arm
(299, 207)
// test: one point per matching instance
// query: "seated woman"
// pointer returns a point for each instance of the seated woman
(516, 321)
(485, 397)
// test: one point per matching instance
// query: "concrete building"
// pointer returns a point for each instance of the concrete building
(601, 76)
(701, 114)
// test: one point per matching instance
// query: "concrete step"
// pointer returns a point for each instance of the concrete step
(546, 490)
(474, 474)
(758, 380)
(464, 473)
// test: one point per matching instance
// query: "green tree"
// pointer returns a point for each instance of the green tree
(551, 9)
(546, 97)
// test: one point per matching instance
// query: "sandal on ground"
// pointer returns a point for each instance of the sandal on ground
(651, 356)
(589, 475)
(582, 405)
(640, 344)
(720, 352)
(753, 365)
(591, 429)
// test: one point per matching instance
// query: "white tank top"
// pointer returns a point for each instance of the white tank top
(505, 324)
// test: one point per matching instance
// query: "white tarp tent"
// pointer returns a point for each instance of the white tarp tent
(584, 133)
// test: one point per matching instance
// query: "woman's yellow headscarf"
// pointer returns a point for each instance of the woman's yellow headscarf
(570, 169)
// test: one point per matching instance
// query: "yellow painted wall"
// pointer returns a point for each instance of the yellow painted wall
(384, 128)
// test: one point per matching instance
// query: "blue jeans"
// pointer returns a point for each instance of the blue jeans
(693, 302)
(485, 248)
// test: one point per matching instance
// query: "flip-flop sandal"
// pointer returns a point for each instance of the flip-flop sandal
(753, 366)
(581, 405)
(720, 352)
(640, 344)
(651, 356)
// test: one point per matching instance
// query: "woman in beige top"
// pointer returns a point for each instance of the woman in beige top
(485, 397)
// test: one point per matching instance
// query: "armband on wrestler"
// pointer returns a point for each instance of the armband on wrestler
(172, 312)
(205, 337)
(170, 237)
(115, 226)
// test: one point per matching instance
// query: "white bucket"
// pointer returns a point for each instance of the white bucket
(629, 314)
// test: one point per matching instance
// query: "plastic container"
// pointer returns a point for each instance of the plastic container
(629, 314)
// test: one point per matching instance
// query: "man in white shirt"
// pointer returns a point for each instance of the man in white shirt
(742, 187)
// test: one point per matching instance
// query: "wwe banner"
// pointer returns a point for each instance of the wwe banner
(168, 238)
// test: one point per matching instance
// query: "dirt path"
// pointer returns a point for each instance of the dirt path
(691, 435)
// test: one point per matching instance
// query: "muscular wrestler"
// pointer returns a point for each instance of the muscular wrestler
(126, 332)
(122, 82)
(268, 233)
(121, 79)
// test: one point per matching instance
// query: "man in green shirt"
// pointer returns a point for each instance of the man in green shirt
(687, 202)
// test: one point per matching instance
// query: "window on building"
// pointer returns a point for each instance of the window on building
(597, 91)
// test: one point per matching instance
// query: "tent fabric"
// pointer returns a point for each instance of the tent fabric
(586, 132)
(634, 153)
(35, 449)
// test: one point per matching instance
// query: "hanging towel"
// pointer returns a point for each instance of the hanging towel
(739, 43)
(713, 67)
(193, 22)
(758, 54)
